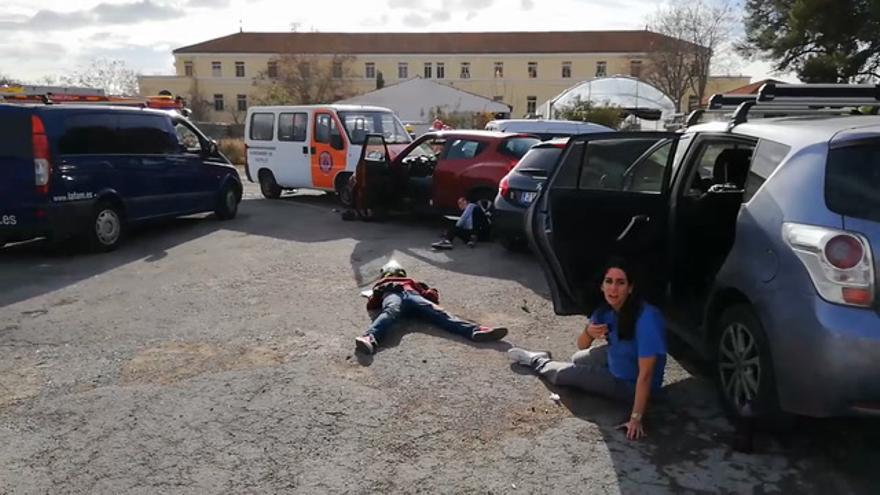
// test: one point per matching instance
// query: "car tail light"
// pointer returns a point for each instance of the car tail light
(839, 262)
(42, 166)
(504, 187)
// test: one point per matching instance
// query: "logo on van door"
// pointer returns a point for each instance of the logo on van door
(325, 162)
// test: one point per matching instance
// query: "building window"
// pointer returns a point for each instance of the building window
(218, 103)
(216, 69)
(429, 70)
(566, 70)
(242, 103)
(272, 70)
(635, 68)
(533, 70)
(465, 70)
(188, 69)
(402, 70)
(499, 70)
(693, 102)
(337, 70)
(601, 69)
(531, 105)
(370, 70)
(441, 70)
(239, 69)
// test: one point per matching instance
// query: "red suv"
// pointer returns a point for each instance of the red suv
(439, 167)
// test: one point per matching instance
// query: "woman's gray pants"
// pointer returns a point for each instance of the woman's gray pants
(587, 371)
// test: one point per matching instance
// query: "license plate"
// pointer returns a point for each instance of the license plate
(527, 197)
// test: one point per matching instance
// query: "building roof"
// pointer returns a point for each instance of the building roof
(432, 43)
(748, 89)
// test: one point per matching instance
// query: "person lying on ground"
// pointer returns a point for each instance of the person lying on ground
(398, 296)
(471, 225)
(629, 365)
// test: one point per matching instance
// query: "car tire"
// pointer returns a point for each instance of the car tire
(227, 203)
(343, 190)
(744, 368)
(106, 227)
(268, 186)
(513, 245)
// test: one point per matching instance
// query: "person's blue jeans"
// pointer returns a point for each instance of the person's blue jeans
(411, 304)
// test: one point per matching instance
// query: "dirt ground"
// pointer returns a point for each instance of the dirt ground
(217, 357)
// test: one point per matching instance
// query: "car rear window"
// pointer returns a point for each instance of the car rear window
(517, 147)
(852, 181)
(543, 158)
(15, 138)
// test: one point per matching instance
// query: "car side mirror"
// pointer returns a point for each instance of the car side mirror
(213, 148)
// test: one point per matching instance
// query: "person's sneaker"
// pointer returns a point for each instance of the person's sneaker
(526, 358)
(486, 334)
(444, 244)
(365, 344)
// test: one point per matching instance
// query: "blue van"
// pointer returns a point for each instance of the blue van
(88, 172)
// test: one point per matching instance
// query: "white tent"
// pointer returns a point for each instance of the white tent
(415, 100)
(639, 98)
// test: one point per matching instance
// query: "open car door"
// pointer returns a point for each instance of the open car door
(607, 196)
(373, 173)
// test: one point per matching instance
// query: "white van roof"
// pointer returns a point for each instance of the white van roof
(541, 125)
(338, 108)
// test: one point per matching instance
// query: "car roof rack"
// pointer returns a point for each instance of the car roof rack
(780, 100)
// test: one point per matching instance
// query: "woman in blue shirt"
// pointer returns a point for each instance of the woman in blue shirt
(629, 367)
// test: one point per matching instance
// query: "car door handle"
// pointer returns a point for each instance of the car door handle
(632, 224)
(305, 150)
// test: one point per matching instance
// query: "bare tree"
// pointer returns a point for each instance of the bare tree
(113, 76)
(198, 104)
(6, 80)
(305, 79)
(696, 32)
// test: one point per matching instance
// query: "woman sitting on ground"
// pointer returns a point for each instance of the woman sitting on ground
(629, 367)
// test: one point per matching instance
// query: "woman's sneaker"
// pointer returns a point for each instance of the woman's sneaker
(487, 334)
(444, 244)
(526, 358)
(366, 344)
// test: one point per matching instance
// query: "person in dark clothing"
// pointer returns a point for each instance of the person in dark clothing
(472, 225)
(396, 296)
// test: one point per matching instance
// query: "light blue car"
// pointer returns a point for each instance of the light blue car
(758, 238)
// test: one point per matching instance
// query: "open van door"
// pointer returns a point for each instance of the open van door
(608, 196)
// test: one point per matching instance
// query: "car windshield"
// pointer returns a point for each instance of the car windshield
(359, 124)
(852, 181)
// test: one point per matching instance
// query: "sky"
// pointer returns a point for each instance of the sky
(41, 38)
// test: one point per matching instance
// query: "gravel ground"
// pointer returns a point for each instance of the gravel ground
(217, 357)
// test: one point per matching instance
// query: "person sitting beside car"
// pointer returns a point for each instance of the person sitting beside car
(471, 226)
(629, 366)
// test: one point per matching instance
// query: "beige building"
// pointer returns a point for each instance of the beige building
(521, 69)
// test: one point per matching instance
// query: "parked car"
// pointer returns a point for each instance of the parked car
(546, 129)
(91, 171)
(519, 188)
(440, 167)
(313, 146)
(760, 240)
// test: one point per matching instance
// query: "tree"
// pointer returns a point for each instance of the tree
(305, 79)
(198, 104)
(586, 111)
(821, 40)
(113, 76)
(380, 80)
(696, 34)
(6, 80)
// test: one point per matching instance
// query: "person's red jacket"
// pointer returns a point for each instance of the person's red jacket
(391, 285)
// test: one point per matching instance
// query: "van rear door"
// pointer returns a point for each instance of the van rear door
(18, 195)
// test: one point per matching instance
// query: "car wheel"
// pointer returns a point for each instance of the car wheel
(512, 244)
(743, 366)
(268, 186)
(343, 190)
(106, 227)
(227, 203)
